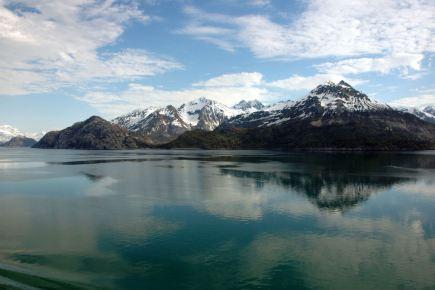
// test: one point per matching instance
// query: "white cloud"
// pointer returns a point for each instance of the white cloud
(396, 33)
(297, 82)
(415, 102)
(227, 89)
(230, 80)
(259, 2)
(382, 65)
(49, 44)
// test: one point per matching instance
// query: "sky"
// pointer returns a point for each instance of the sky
(63, 61)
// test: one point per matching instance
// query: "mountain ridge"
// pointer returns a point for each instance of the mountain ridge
(164, 124)
(426, 113)
(330, 116)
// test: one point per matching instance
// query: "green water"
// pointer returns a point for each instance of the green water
(216, 220)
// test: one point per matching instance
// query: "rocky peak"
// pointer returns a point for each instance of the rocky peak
(249, 105)
(343, 84)
(340, 97)
(130, 120)
(94, 119)
(342, 89)
(330, 101)
(169, 110)
(430, 110)
(197, 104)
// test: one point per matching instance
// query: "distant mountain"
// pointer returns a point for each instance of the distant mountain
(426, 113)
(325, 101)
(93, 133)
(331, 116)
(248, 106)
(19, 141)
(162, 125)
(279, 106)
(131, 120)
(36, 136)
(325, 188)
(8, 132)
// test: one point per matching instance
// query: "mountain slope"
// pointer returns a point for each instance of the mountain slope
(332, 116)
(426, 113)
(162, 125)
(248, 106)
(130, 120)
(19, 141)
(93, 133)
(324, 101)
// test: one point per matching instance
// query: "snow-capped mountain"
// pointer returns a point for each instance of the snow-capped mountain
(165, 124)
(131, 119)
(279, 106)
(426, 113)
(326, 100)
(8, 132)
(249, 106)
(332, 99)
(430, 110)
(206, 114)
(161, 125)
(332, 116)
(328, 104)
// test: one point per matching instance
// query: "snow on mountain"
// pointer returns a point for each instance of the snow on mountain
(8, 132)
(207, 113)
(161, 125)
(426, 113)
(134, 117)
(327, 103)
(430, 110)
(165, 124)
(249, 106)
(324, 101)
(338, 98)
(279, 106)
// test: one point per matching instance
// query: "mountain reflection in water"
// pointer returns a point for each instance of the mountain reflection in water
(216, 220)
(325, 189)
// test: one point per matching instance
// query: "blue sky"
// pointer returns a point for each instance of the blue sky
(62, 61)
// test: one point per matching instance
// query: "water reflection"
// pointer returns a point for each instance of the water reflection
(217, 220)
(325, 189)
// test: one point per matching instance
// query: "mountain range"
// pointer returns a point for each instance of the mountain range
(7, 133)
(426, 113)
(165, 124)
(334, 116)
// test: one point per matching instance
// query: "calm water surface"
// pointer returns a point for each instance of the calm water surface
(216, 220)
